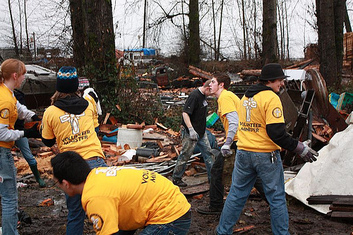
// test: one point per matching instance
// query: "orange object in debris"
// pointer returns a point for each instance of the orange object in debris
(47, 202)
(243, 229)
(29, 125)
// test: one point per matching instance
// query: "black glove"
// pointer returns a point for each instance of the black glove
(36, 118)
(305, 152)
(32, 132)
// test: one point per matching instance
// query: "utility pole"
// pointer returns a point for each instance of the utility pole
(144, 25)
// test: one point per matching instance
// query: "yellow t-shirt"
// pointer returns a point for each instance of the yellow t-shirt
(121, 198)
(94, 104)
(227, 103)
(8, 111)
(72, 132)
(254, 114)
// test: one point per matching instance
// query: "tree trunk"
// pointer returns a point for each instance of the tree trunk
(220, 31)
(269, 32)
(330, 16)
(194, 33)
(26, 28)
(94, 46)
(14, 38)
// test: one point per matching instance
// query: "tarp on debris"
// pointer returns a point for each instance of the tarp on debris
(146, 51)
(331, 174)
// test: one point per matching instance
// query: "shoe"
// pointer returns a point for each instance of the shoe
(207, 210)
(179, 182)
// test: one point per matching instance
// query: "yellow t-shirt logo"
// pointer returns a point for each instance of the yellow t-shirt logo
(73, 119)
(249, 105)
(277, 112)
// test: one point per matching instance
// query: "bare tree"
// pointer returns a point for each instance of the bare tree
(330, 17)
(269, 32)
(14, 38)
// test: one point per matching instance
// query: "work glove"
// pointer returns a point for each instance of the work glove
(305, 152)
(35, 118)
(193, 134)
(32, 132)
(226, 151)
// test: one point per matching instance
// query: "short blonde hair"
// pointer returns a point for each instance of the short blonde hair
(10, 66)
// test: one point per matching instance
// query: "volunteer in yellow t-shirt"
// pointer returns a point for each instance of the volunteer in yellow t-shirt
(261, 134)
(124, 198)
(69, 123)
(12, 74)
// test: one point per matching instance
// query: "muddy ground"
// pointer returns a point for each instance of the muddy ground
(50, 220)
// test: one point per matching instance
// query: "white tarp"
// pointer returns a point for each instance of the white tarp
(331, 174)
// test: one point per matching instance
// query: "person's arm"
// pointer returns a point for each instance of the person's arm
(24, 113)
(7, 135)
(233, 120)
(193, 134)
(278, 135)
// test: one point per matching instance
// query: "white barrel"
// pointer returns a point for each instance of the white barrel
(132, 137)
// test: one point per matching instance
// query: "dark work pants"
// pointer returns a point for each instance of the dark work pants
(216, 183)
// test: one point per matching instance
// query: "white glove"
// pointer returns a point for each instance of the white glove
(193, 134)
(305, 152)
(226, 152)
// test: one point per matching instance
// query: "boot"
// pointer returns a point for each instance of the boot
(37, 176)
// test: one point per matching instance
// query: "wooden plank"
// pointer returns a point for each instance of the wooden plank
(342, 214)
(106, 118)
(341, 208)
(325, 199)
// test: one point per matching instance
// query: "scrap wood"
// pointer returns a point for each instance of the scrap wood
(342, 214)
(118, 107)
(250, 72)
(326, 199)
(135, 126)
(162, 126)
(173, 133)
(113, 120)
(341, 208)
(45, 154)
(296, 65)
(318, 137)
(199, 72)
(176, 150)
(160, 145)
(243, 229)
(106, 118)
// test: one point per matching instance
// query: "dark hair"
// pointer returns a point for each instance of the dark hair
(70, 166)
(222, 78)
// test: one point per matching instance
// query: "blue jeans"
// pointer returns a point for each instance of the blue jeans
(249, 166)
(76, 216)
(8, 192)
(187, 150)
(23, 145)
(177, 227)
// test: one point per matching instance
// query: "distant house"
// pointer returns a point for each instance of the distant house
(139, 56)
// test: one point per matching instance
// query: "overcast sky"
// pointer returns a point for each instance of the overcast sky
(47, 19)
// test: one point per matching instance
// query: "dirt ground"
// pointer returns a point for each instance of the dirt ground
(50, 220)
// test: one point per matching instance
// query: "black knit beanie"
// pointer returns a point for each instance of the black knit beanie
(67, 80)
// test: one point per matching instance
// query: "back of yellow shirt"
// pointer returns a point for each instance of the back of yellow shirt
(72, 132)
(118, 198)
(254, 114)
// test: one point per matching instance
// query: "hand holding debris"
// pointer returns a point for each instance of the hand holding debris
(32, 132)
(305, 152)
(193, 134)
(225, 150)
